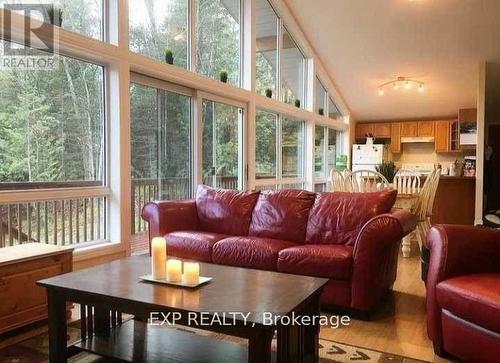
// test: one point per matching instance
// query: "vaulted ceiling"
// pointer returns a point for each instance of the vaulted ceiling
(364, 43)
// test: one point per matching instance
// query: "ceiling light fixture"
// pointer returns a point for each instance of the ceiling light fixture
(399, 82)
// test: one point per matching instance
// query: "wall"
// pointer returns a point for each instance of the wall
(425, 153)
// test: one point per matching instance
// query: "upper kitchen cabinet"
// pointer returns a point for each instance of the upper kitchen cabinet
(425, 129)
(442, 138)
(363, 129)
(396, 137)
(409, 129)
(382, 130)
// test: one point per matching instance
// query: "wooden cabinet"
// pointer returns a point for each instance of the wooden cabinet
(382, 130)
(396, 137)
(362, 129)
(442, 138)
(455, 136)
(22, 301)
(425, 129)
(409, 129)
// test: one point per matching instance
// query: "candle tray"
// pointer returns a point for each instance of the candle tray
(201, 281)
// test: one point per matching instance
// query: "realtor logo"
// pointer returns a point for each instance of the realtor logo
(33, 47)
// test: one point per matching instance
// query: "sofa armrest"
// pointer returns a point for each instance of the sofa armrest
(168, 216)
(375, 256)
(457, 251)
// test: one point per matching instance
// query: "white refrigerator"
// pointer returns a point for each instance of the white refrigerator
(367, 157)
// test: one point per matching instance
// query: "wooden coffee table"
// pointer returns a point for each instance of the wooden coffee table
(107, 291)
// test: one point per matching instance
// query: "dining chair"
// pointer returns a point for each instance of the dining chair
(361, 181)
(337, 179)
(407, 182)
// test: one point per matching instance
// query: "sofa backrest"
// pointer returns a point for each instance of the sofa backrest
(225, 211)
(337, 218)
(282, 215)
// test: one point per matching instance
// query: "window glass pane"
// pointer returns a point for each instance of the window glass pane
(265, 145)
(293, 186)
(332, 148)
(52, 125)
(266, 31)
(220, 144)
(266, 187)
(319, 151)
(81, 16)
(292, 148)
(318, 188)
(160, 152)
(292, 72)
(160, 25)
(218, 39)
(333, 111)
(320, 97)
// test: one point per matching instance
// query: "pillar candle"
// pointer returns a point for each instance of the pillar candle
(158, 257)
(191, 273)
(174, 270)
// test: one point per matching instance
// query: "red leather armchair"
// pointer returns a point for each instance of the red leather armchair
(463, 292)
(350, 238)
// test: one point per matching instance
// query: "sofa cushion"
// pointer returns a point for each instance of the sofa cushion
(337, 218)
(475, 298)
(282, 215)
(193, 245)
(332, 261)
(225, 211)
(254, 252)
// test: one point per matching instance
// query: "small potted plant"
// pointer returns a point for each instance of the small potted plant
(223, 76)
(169, 56)
(387, 169)
(297, 103)
(55, 13)
(269, 93)
(321, 111)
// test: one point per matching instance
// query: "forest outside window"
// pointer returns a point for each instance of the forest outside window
(266, 58)
(80, 16)
(159, 29)
(161, 147)
(265, 148)
(292, 148)
(218, 39)
(293, 72)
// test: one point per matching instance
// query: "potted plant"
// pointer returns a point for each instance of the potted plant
(269, 93)
(55, 13)
(321, 111)
(223, 76)
(169, 56)
(297, 103)
(387, 169)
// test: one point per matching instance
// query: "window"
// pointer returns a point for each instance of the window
(333, 111)
(160, 25)
(52, 125)
(80, 16)
(161, 147)
(266, 31)
(265, 148)
(221, 145)
(292, 148)
(331, 155)
(319, 151)
(293, 72)
(218, 39)
(320, 97)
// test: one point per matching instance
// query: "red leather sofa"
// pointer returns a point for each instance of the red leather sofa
(352, 239)
(463, 292)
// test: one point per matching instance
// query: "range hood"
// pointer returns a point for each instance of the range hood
(426, 139)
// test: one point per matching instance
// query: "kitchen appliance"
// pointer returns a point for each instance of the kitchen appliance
(422, 169)
(367, 157)
(420, 139)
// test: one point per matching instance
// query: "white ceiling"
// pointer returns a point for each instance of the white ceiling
(364, 43)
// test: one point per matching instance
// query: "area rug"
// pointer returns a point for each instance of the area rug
(35, 350)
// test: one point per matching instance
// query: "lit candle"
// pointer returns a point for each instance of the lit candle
(191, 273)
(174, 270)
(158, 257)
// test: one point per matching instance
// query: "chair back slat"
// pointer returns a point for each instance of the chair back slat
(407, 182)
(363, 181)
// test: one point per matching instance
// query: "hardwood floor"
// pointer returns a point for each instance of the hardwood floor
(400, 325)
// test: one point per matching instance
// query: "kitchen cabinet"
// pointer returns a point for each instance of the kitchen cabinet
(382, 130)
(455, 135)
(396, 137)
(442, 138)
(409, 129)
(455, 201)
(363, 129)
(425, 129)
